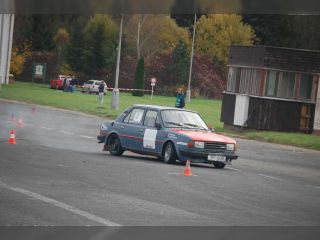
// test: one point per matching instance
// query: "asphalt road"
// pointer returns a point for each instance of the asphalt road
(57, 175)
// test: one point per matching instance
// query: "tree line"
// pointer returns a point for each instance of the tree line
(86, 46)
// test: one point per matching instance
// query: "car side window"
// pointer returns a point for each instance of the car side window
(150, 118)
(135, 116)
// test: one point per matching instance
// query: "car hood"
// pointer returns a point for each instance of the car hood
(203, 136)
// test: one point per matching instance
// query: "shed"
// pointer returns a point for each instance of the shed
(272, 88)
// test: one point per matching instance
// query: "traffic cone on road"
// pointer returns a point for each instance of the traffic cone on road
(34, 110)
(12, 137)
(20, 122)
(187, 169)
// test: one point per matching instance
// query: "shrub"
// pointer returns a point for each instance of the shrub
(139, 79)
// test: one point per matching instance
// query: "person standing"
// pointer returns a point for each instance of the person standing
(101, 91)
(180, 100)
(73, 84)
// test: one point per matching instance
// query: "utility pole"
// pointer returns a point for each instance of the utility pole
(188, 97)
(1, 36)
(115, 91)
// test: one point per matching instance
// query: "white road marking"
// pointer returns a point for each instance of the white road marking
(66, 132)
(29, 124)
(312, 186)
(267, 176)
(84, 136)
(60, 205)
(236, 169)
(181, 174)
(46, 128)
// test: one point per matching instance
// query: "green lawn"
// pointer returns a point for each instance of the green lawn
(209, 109)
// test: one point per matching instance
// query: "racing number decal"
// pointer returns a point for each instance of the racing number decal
(149, 138)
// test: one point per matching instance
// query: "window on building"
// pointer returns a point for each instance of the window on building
(306, 82)
(232, 79)
(250, 81)
(245, 78)
(255, 81)
(286, 85)
(271, 83)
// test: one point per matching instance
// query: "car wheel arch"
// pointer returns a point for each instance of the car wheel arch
(119, 150)
(164, 147)
(111, 135)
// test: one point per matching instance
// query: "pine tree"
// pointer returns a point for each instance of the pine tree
(100, 36)
(139, 79)
(74, 50)
(181, 62)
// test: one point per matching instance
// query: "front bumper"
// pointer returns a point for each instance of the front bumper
(202, 157)
(101, 138)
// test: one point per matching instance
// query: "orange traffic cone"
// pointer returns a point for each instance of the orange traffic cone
(187, 169)
(12, 137)
(20, 122)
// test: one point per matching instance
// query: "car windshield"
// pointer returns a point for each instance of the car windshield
(89, 82)
(180, 118)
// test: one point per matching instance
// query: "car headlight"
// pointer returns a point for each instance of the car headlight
(103, 127)
(230, 147)
(198, 144)
(195, 144)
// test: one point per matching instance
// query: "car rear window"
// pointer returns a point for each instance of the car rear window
(135, 116)
(89, 82)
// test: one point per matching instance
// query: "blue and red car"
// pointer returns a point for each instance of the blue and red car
(168, 133)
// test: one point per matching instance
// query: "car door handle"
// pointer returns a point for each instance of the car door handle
(122, 127)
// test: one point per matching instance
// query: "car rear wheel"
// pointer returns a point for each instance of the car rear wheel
(219, 164)
(114, 146)
(169, 153)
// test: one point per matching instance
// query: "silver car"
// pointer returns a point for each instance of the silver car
(92, 86)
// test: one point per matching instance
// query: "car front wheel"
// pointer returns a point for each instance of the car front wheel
(114, 146)
(219, 164)
(169, 153)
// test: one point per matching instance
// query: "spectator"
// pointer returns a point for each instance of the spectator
(73, 84)
(101, 91)
(180, 102)
(65, 84)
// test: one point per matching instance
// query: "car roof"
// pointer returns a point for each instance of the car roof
(158, 107)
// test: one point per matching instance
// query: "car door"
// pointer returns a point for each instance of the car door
(149, 132)
(131, 128)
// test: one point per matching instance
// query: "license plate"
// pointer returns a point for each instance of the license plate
(216, 158)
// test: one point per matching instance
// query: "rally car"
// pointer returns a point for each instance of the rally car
(169, 133)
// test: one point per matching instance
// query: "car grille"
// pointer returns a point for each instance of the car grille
(215, 146)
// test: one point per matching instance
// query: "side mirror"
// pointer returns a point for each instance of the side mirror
(157, 126)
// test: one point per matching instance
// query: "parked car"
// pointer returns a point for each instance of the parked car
(58, 82)
(92, 86)
(169, 133)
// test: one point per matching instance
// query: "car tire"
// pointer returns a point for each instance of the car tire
(169, 153)
(219, 165)
(114, 145)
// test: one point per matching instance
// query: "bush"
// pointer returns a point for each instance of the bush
(139, 79)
